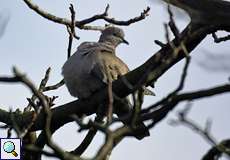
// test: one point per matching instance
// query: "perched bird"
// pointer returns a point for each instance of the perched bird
(94, 64)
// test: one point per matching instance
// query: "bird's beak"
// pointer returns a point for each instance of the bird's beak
(125, 41)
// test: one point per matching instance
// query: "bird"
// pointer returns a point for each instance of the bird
(94, 65)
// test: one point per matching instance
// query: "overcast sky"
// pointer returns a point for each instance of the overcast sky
(33, 44)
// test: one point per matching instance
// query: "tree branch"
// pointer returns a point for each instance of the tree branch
(206, 11)
(149, 72)
(204, 132)
(82, 23)
(220, 39)
(47, 15)
(215, 152)
(105, 17)
(159, 114)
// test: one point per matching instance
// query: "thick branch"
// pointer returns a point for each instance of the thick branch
(162, 112)
(205, 11)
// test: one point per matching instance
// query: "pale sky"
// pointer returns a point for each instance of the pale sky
(33, 43)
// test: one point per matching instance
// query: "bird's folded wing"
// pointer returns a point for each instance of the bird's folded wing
(105, 65)
(108, 67)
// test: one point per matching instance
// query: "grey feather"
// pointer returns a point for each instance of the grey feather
(94, 64)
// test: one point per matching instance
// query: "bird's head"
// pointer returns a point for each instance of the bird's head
(113, 35)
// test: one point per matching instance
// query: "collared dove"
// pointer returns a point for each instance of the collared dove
(94, 64)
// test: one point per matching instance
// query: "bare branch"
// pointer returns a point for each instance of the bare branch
(110, 105)
(213, 153)
(81, 24)
(161, 112)
(86, 142)
(71, 30)
(204, 132)
(45, 80)
(202, 12)
(96, 124)
(183, 120)
(53, 87)
(9, 79)
(41, 88)
(138, 101)
(61, 113)
(88, 138)
(47, 15)
(95, 17)
(112, 139)
(22, 78)
(172, 23)
(9, 132)
(220, 39)
(105, 17)
(159, 43)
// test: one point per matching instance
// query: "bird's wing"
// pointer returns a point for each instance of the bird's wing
(98, 60)
(108, 67)
(77, 69)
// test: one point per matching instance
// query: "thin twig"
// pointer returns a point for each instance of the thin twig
(172, 24)
(110, 104)
(112, 139)
(159, 43)
(56, 86)
(95, 124)
(220, 39)
(71, 30)
(214, 153)
(105, 17)
(204, 132)
(9, 132)
(85, 143)
(9, 79)
(41, 89)
(88, 138)
(138, 101)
